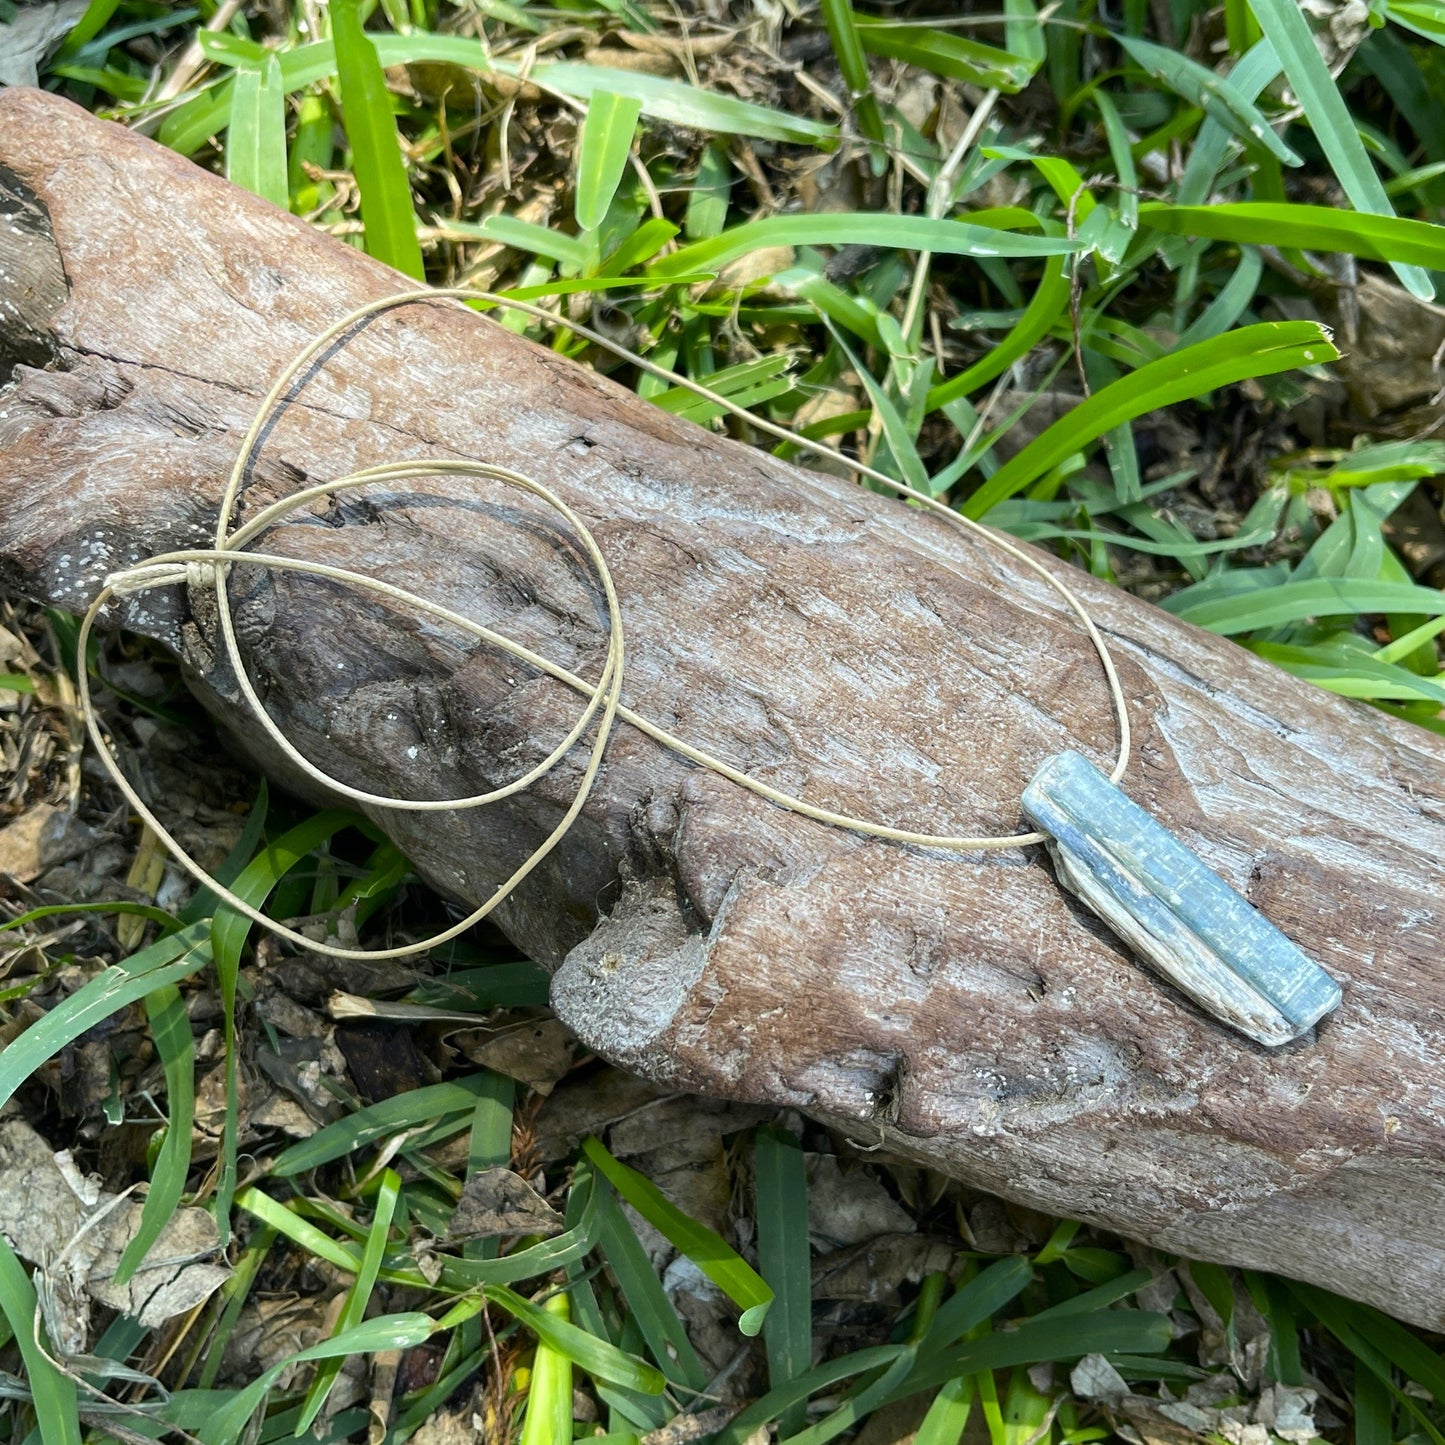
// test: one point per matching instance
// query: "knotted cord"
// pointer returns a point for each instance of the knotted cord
(208, 567)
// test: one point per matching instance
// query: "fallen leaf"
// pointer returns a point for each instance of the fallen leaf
(849, 1207)
(536, 1052)
(495, 1202)
(875, 1273)
(1094, 1378)
(30, 34)
(41, 838)
(74, 1233)
(1288, 1412)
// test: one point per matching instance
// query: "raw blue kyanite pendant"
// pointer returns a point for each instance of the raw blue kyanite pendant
(1181, 918)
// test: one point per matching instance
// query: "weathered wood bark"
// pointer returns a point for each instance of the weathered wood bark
(958, 1008)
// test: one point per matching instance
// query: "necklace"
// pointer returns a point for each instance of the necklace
(1157, 895)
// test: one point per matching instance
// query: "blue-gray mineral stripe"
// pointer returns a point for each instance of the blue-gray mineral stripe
(1172, 895)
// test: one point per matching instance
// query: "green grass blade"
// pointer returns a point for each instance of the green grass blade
(722, 1264)
(165, 962)
(490, 1141)
(500, 985)
(547, 1417)
(842, 27)
(378, 1121)
(243, 134)
(577, 285)
(256, 140)
(1285, 26)
(171, 1033)
(229, 932)
(56, 1404)
(859, 1404)
(948, 1413)
(708, 1250)
(908, 233)
(224, 1425)
(1353, 1324)
(781, 1181)
(222, 47)
(353, 1310)
(898, 435)
(1054, 1337)
(670, 101)
(978, 1300)
(1369, 465)
(311, 1239)
(641, 245)
(599, 1358)
(1272, 1298)
(777, 1402)
(1023, 35)
(376, 159)
(651, 1310)
(1424, 17)
(1127, 203)
(707, 197)
(1230, 303)
(290, 1221)
(675, 102)
(1026, 1410)
(603, 148)
(1305, 228)
(1341, 667)
(1045, 309)
(1171, 541)
(1062, 177)
(526, 236)
(313, 145)
(946, 53)
(561, 1249)
(203, 902)
(733, 382)
(1218, 96)
(854, 313)
(1259, 350)
(1374, 1409)
(235, 1291)
(166, 921)
(1417, 637)
(1389, 59)
(91, 23)
(1274, 606)
(271, 172)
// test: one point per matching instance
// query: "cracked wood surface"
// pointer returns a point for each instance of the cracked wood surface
(837, 644)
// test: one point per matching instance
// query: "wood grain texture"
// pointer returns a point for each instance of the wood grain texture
(960, 1009)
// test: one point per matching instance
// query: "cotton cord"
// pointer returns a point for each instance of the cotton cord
(209, 568)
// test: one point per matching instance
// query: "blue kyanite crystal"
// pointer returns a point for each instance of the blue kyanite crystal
(1181, 918)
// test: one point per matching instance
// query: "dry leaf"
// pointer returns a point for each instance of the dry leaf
(874, 1273)
(537, 1052)
(43, 837)
(75, 1233)
(849, 1207)
(495, 1202)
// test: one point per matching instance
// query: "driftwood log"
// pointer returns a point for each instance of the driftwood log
(959, 1009)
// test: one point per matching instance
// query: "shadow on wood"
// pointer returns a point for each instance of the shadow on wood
(958, 1010)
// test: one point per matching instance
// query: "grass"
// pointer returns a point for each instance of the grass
(1168, 235)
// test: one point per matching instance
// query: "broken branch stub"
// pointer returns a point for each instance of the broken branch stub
(959, 1009)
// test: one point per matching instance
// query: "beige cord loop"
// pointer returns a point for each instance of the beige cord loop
(209, 569)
